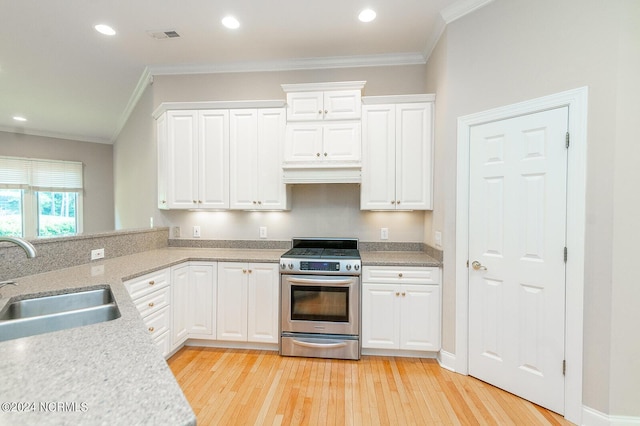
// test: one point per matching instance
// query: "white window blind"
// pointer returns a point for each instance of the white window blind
(40, 175)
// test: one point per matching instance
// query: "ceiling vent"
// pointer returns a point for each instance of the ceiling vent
(162, 35)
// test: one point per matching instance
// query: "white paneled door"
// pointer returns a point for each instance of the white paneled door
(517, 238)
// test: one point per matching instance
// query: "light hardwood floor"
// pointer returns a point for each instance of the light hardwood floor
(245, 387)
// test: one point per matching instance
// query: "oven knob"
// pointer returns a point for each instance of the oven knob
(356, 267)
(348, 267)
(283, 266)
(291, 266)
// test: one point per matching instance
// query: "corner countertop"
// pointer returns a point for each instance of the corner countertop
(111, 372)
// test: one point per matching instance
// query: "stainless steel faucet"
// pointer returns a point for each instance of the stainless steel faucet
(26, 245)
(28, 248)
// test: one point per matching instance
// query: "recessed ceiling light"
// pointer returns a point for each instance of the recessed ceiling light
(105, 29)
(18, 118)
(367, 15)
(230, 22)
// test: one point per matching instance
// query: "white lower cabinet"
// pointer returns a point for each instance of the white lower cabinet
(401, 308)
(247, 306)
(194, 296)
(151, 293)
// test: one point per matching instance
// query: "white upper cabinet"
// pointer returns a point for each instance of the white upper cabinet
(323, 144)
(324, 105)
(257, 137)
(193, 157)
(214, 156)
(397, 164)
(323, 135)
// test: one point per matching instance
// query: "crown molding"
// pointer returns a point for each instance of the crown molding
(396, 59)
(461, 8)
(55, 135)
(143, 82)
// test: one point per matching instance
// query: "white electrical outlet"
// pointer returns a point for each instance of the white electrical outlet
(97, 254)
(196, 232)
(384, 233)
(176, 231)
(151, 222)
(263, 232)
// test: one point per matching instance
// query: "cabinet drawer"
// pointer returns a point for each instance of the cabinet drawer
(153, 302)
(163, 341)
(401, 274)
(146, 284)
(159, 322)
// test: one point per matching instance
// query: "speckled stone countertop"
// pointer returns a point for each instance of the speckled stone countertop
(111, 372)
(397, 258)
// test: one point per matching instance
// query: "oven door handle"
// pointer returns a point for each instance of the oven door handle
(319, 345)
(320, 281)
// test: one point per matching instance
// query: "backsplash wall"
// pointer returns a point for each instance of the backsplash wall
(58, 253)
(317, 210)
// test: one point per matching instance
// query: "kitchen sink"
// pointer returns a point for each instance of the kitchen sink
(38, 315)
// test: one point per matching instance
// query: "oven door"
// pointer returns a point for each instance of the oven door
(320, 304)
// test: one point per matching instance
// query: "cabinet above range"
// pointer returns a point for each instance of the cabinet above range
(323, 141)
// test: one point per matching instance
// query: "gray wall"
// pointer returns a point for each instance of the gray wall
(318, 210)
(135, 169)
(98, 171)
(515, 50)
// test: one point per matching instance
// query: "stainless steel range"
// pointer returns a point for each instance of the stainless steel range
(320, 299)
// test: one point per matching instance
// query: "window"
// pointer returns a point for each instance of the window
(11, 212)
(40, 198)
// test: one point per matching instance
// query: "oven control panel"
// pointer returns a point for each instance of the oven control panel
(320, 267)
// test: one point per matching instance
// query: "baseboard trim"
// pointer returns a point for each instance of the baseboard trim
(398, 353)
(591, 417)
(447, 360)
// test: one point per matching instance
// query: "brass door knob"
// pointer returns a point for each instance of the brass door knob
(478, 266)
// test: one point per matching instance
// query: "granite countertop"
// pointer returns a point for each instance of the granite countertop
(397, 258)
(111, 372)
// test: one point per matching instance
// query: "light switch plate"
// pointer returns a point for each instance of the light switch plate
(196, 232)
(438, 238)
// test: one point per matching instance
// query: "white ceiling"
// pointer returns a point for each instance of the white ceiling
(71, 82)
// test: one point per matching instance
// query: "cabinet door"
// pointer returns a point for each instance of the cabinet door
(304, 106)
(272, 192)
(414, 156)
(380, 313)
(303, 143)
(161, 134)
(179, 304)
(182, 159)
(342, 142)
(342, 104)
(243, 158)
(378, 188)
(202, 296)
(213, 159)
(263, 302)
(420, 317)
(232, 301)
